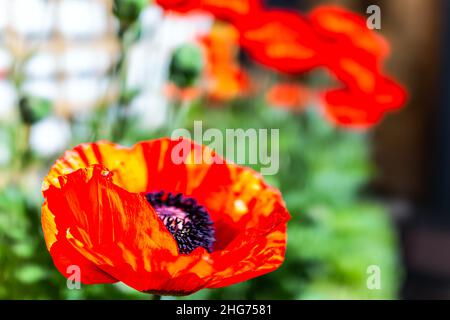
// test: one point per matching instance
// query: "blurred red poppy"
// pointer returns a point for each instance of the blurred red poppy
(342, 27)
(329, 37)
(224, 77)
(159, 225)
(357, 109)
(281, 40)
(356, 59)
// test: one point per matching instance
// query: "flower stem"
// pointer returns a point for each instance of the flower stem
(127, 38)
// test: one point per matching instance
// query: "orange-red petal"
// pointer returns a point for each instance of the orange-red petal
(225, 79)
(356, 109)
(281, 40)
(341, 26)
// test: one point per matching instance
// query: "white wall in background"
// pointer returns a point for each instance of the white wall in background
(150, 59)
(74, 42)
(49, 137)
(82, 19)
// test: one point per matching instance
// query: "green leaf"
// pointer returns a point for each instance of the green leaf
(31, 273)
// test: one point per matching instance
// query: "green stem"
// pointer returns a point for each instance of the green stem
(24, 148)
(22, 130)
(176, 115)
(127, 38)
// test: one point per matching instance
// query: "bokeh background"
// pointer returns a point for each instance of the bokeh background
(357, 198)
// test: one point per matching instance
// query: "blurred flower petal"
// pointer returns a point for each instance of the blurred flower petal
(339, 25)
(225, 79)
(281, 40)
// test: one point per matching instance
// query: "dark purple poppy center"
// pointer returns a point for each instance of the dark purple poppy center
(187, 221)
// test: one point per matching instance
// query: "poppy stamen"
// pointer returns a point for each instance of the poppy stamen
(187, 221)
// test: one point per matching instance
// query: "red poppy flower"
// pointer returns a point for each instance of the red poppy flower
(166, 216)
(340, 26)
(356, 109)
(281, 40)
